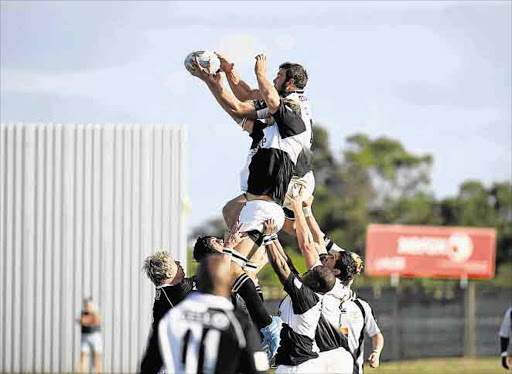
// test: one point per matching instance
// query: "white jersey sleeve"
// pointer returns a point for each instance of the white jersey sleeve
(506, 328)
(371, 326)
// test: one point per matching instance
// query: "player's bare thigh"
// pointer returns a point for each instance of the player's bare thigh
(232, 209)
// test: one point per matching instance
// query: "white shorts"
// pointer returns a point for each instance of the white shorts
(306, 185)
(92, 341)
(255, 212)
(337, 361)
(313, 366)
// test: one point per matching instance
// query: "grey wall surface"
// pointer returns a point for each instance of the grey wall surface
(80, 207)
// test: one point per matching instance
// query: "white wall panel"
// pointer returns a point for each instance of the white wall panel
(80, 208)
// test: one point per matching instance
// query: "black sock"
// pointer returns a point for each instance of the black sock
(245, 287)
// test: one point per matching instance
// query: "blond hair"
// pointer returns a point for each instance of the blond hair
(159, 266)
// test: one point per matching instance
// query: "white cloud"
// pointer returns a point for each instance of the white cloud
(239, 47)
(285, 41)
(104, 84)
(45, 83)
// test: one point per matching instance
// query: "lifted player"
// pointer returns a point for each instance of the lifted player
(270, 165)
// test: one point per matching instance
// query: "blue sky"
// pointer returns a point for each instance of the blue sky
(434, 75)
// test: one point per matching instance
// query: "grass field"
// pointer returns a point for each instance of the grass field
(488, 365)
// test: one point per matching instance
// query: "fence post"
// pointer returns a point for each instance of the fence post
(469, 319)
(397, 343)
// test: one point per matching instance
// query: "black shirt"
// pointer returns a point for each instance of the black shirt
(274, 152)
(300, 312)
(166, 298)
(205, 334)
(89, 329)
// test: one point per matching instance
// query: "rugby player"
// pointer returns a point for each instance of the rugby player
(292, 88)
(335, 355)
(206, 245)
(265, 179)
(300, 310)
(505, 334)
(172, 286)
(348, 319)
(204, 334)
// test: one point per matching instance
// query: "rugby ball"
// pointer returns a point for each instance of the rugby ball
(207, 60)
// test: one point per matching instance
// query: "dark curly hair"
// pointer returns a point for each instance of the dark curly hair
(347, 267)
(296, 72)
(202, 248)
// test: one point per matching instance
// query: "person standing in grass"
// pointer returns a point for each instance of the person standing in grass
(505, 334)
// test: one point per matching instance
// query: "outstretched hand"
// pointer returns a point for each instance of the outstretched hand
(269, 227)
(225, 65)
(295, 197)
(260, 68)
(203, 74)
(234, 236)
(308, 202)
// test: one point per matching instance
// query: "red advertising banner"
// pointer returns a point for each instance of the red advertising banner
(430, 251)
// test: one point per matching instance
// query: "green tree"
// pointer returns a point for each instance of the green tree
(377, 180)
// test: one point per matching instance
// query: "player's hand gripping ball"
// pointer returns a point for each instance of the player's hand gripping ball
(207, 60)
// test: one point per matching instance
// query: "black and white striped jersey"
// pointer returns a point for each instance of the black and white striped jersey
(303, 164)
(204, 334)
(300, 312)
(276, 147)
(328, 335)
(166, 297)
(355, 319)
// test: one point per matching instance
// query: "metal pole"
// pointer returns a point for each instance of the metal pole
(470, 321)
(395, 282)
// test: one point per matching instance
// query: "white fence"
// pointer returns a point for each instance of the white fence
(80, 207)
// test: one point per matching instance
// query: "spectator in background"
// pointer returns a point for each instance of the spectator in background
(505, 334)
(91, 341)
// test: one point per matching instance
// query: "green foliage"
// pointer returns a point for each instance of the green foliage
(380, 181)
(268, 278)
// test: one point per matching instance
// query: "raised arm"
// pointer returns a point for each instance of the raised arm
(316, 232)
(231, 105)
(276, 255)
(304, 237)
(267, 89)
(241, 90)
